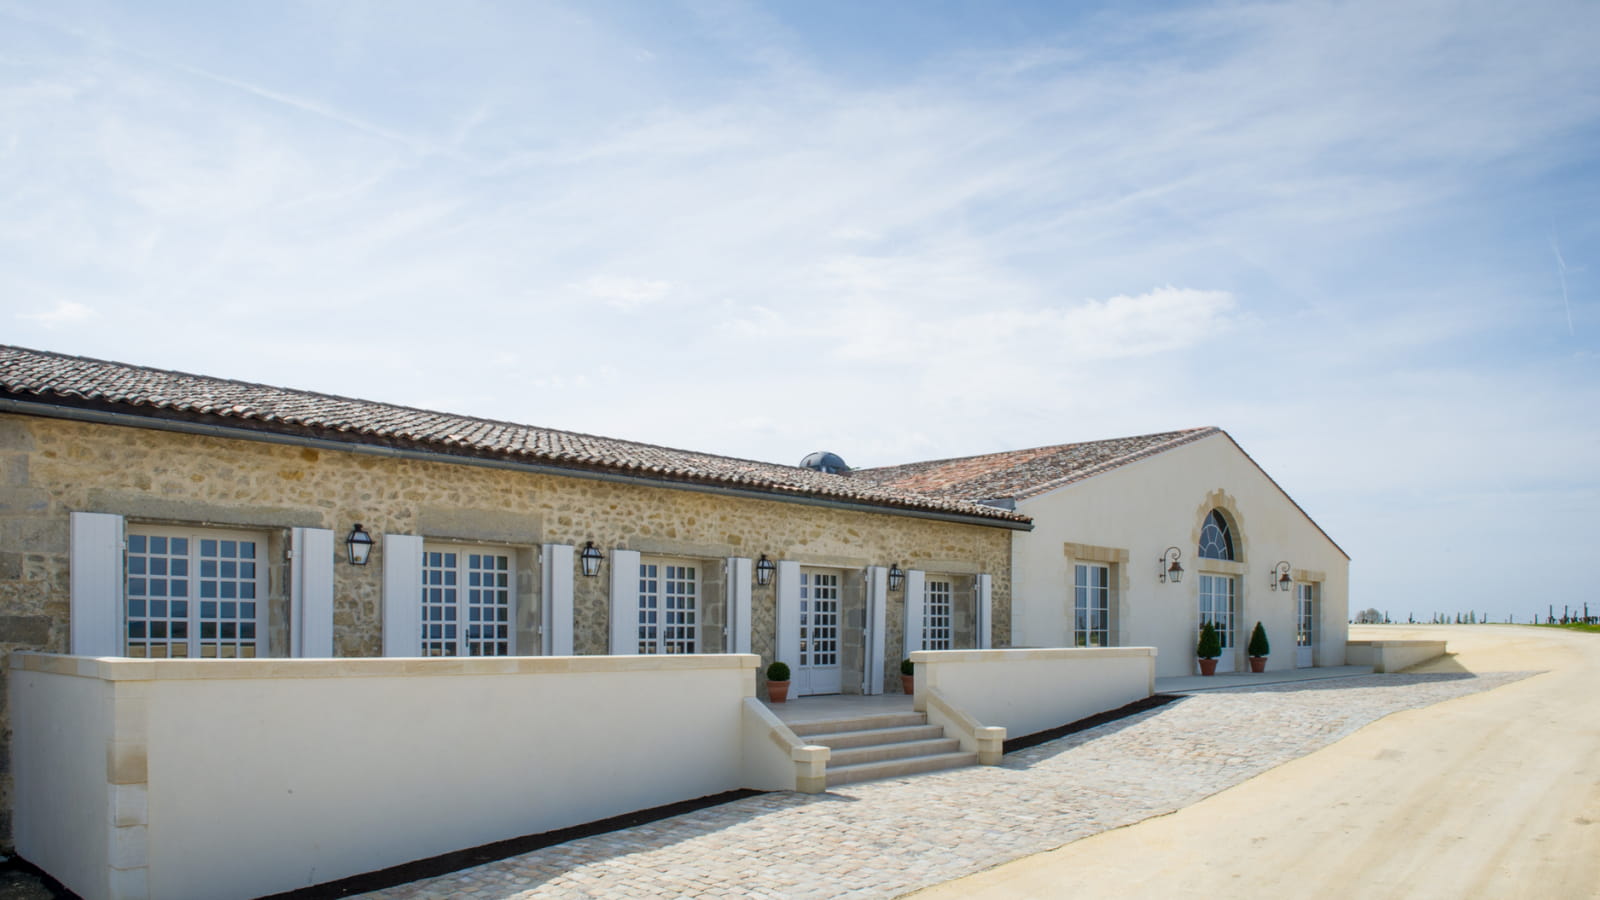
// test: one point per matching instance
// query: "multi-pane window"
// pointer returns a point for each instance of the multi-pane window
(466, 601)
(819, 619)
(1302, 634)
(1216, 541)
(1091, 606)
(195, 594)
(668, 606)
(1217, 605)
(936, 608)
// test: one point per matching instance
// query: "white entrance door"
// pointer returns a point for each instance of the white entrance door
(819, 670)
(1304, 634)
(1217, 607)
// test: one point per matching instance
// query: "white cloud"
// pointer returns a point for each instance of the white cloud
(621, 292)
(65, 312)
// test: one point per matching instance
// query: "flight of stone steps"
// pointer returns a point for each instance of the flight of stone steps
(865, 748)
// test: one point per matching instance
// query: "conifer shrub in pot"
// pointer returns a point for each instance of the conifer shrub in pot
(1258, 649)
(908, 671)
(1209, 648)
(778, 682)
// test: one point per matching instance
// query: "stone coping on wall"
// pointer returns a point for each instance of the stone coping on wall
(1021, 654)
(125, 669)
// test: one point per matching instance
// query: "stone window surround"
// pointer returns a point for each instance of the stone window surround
(1115, 558)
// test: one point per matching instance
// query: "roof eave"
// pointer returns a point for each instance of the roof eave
(168, 419)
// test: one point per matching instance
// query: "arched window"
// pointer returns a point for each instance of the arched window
(1216, 541)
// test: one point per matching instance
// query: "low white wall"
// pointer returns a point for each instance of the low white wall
(1027, 691)
(61, 802)
(1392, 656)
(270, 775)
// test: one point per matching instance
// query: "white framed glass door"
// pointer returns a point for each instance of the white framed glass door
(196, 593)
(668, 607)
(937, 605)
(1091, 606)
(1305, 631)
(466, 601)
(1218, 606)
(819, 671)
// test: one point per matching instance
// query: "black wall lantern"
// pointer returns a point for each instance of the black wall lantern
(1279, 580)
(764, 569)
(1172, 572)
(590, 557)
(896, 577)
(359, 545)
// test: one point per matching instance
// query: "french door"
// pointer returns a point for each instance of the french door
(819, 671)
(1218, 606)
(1305, 632)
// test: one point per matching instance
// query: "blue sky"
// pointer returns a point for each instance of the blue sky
(1359, 236)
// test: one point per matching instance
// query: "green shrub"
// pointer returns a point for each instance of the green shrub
(1210, 646)
(907, 667)
(778, 671)
(1258, 642)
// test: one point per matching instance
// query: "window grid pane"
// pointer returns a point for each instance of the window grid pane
(1091, 601)
(936, 610)
(678, 598)
(441, 590)
(1302, 637)
(819, 619)
(649, 608)
(192, 595)
(488, 610)
(1217, 606)
(466, 602)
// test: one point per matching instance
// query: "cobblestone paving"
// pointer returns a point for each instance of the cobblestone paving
(885, 838)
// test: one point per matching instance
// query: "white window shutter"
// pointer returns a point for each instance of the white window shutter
(556, 579)
(788, 649)
(985, 592)
(877, 622)
(95, 566)
(402, 595)
(738, 616)
(914, 615)
(311, 593)
(624, 602)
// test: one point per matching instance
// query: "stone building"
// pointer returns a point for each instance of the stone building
(155, 514)
(1111, 520)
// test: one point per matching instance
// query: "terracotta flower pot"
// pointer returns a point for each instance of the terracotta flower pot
(778, 691)
(1258, 663)
(908, 684)
(1208, 667)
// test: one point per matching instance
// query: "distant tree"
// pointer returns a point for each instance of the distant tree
(1369, 616)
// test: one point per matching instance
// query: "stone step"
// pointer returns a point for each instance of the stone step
(901, 750)
(858, 723)
(891, 768)
(845, 739)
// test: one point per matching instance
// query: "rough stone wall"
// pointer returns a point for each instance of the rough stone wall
(50, 467)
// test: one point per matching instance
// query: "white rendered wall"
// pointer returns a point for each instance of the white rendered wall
(1028, 691)
(1145, 507)
(269, 775)
(62, 799)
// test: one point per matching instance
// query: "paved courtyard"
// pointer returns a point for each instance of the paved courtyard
(886, 838)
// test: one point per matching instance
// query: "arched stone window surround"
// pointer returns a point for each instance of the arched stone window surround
(1224, 503)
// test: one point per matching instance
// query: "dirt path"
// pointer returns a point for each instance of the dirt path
(1495, 794)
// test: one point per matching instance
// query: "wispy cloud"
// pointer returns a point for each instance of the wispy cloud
(1561, 271)
(65, 312)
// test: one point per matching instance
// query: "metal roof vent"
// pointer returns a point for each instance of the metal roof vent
(825, 461)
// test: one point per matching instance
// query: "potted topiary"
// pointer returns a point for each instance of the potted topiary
(907, 670)
(1258, 649)
(778, 682)
(1209, 648)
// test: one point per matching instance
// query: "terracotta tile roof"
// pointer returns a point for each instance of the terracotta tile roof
(1019, 474)
(57, 379)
